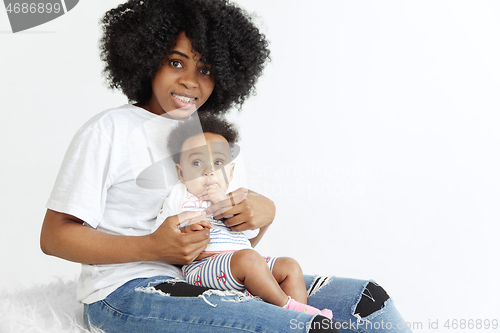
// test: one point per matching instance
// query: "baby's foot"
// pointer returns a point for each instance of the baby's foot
(327, 313)
(299, 307)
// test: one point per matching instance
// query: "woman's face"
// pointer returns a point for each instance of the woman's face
(182, 84)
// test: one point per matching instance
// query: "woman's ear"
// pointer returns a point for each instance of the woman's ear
(178, 168)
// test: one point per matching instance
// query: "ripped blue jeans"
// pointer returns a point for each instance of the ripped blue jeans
(137, 306)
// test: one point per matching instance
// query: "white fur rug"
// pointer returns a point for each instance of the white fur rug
(42, 309)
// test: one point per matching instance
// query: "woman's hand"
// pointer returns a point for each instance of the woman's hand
(177, 246)
(249, 211)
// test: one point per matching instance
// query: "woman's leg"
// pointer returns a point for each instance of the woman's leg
(357, 305)
(138, 306)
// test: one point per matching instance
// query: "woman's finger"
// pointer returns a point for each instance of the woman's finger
(195, 242)
(236, 222)
(239, 195)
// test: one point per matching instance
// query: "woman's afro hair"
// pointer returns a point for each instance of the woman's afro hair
(139, 33)
(210, 123)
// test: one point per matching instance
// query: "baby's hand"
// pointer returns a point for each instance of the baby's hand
(196, 224)
(213, 193)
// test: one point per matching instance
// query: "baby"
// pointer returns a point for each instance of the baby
(204, 167)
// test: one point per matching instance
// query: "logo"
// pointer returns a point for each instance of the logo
(26, 14)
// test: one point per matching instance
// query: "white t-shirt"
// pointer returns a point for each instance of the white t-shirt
(115, 177)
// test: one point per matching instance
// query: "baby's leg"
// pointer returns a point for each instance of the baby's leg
(250, 269)
(288, 274)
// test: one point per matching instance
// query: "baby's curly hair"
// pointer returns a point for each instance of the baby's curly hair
(139, 33)
(210, 123)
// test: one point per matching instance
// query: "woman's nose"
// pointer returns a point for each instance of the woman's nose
(189, 78)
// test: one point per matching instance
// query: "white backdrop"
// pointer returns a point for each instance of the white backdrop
(375, 130)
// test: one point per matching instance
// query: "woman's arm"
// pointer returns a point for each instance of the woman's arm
(250, 209)
(66, 237)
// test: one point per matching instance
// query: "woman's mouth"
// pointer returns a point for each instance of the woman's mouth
(183, 101)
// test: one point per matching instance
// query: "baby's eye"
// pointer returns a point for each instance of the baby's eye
(219, 163)
(176, 64)
(196, 163)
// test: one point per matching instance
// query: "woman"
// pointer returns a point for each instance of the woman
(171, 58)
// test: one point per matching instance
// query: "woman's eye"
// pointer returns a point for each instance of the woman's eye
(205, 71)
(176, 64)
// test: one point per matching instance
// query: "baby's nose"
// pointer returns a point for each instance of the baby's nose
(209, 171)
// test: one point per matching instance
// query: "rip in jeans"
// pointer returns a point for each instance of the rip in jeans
(319, 282)
(373, 299)
(179, 288)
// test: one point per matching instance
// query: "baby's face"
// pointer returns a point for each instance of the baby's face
(205, 160)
